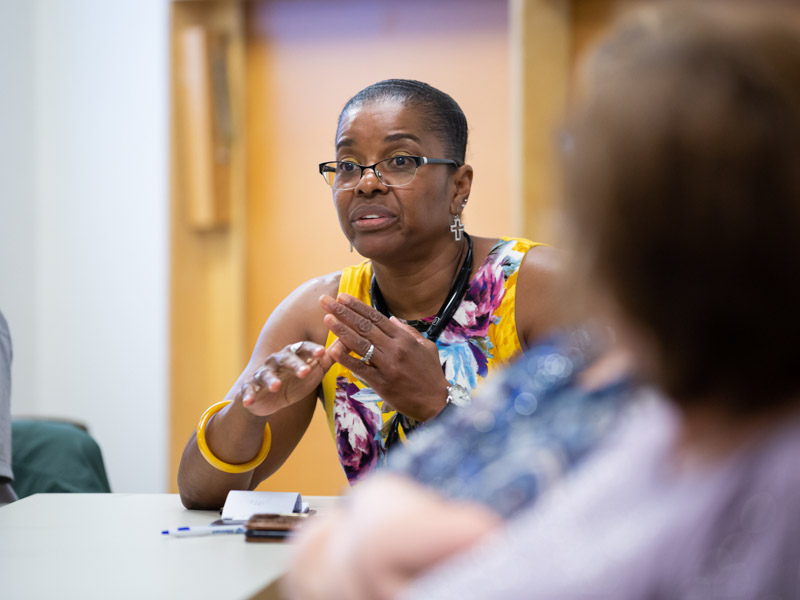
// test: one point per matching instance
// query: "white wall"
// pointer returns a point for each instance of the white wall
(17, 200)
(92, 337)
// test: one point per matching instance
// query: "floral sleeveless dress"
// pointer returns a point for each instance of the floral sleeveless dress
(482, 335)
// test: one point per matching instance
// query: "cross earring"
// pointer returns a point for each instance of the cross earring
(457, 228)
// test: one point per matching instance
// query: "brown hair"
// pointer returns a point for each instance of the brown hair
(682, 178)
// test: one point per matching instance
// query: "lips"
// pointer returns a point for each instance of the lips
(368, 218)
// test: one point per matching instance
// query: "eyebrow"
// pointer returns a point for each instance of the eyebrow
(394, 137)
(401, 136)
(345, 143)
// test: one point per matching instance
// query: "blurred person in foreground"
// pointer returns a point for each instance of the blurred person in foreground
(387, 344)
(682, 169)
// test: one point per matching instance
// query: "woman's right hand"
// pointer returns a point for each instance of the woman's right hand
(285, 377)
(278, 386)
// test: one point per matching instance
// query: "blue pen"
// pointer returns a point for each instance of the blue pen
(203, 530)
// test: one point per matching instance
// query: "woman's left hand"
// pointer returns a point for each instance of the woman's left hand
(403, 367)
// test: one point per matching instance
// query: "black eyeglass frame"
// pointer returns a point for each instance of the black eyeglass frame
(419, 160)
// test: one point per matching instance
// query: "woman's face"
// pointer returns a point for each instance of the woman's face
(385, 222)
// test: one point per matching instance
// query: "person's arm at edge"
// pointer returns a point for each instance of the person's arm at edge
(537, 311)
(235, 434)
(389, 532)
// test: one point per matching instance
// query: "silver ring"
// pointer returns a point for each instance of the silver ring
(366, 358)
(295, 348)
(257, 378)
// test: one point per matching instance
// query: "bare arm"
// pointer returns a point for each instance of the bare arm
(278, 386)
(390, 532)
(537, 306)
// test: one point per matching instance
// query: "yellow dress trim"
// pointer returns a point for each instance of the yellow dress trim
(355, 281)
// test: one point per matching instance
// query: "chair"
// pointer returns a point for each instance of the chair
(50, 456)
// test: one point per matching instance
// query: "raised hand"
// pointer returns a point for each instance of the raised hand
(286, 377)
(395, 360)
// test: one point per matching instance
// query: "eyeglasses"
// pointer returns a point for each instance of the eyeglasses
(392, 172)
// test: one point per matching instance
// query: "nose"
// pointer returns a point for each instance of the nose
(370, 183)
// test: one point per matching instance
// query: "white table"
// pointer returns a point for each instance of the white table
(110, 546)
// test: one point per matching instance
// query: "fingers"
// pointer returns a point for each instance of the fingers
(307, 355)
(359, 327)
(308, 351)
(248, 392)
(298, 357)
(350, 341)
(341, 354)
(358, 316)
(265, 377)
(296, 360)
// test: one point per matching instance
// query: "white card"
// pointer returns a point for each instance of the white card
(240, 505)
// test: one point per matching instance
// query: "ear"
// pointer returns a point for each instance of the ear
(462, 182)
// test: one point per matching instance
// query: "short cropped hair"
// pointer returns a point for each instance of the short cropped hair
(439, 112)
(682, 185)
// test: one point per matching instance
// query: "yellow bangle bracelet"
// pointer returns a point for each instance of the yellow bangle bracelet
(216, 462)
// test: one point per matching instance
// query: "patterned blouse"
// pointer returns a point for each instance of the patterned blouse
(526, 429)
(482, 335)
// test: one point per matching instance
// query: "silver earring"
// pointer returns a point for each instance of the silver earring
(464, 202)
(457, 227)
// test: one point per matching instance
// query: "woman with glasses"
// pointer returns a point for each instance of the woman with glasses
(390, 343)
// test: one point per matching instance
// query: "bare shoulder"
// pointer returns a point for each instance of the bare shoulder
(541, 262)
(538, 291)
(310, 291)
